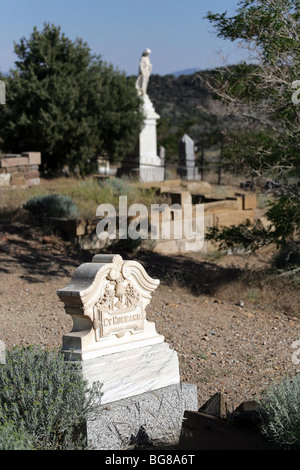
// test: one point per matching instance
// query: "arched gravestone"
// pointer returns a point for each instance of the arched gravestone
(118, 347)
(186, 150)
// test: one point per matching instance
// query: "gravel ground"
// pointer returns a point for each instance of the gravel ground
(221, 346)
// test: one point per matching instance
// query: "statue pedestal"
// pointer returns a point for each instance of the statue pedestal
(150, 164)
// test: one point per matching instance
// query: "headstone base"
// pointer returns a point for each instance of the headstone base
(151, 173)
(149, 419)
(132, 372)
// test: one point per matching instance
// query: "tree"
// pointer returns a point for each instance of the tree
(67, 103)
(260, 92)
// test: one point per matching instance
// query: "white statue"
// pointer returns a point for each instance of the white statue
(144, 73)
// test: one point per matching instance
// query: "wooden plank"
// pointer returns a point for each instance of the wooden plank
(201, 431)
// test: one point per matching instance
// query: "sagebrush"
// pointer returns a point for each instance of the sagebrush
(52, 205)
(281, 413)
(46, 397)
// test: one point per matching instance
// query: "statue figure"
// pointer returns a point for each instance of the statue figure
(144, 73)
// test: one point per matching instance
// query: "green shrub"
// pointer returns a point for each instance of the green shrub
(281, 413)
(52, 205)
(12, 438)
(47, 397)
(118, 186)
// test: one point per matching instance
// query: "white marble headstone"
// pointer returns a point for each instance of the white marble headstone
(107, 301)
(111, 335)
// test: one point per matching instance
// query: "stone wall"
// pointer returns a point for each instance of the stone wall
(20, 170)
(228, 211)
(225, 212)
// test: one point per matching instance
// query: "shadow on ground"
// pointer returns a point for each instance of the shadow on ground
(199, 276)
(41, 255)
(36, 254)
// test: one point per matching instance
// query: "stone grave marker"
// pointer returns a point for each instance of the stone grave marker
(186, 150)
(118, 347)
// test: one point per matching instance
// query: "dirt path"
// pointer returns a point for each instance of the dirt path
(221, 346)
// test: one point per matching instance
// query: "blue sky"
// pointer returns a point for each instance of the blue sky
(119, 30)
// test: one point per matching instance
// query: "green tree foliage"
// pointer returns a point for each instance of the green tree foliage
(261, 95)
(283, 230)
(67, 103)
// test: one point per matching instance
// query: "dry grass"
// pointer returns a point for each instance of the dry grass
(264, 290)
(87, 193)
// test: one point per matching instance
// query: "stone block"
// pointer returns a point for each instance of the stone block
(14, 169)
(34, 158)
(33, 182)
(250, 201)
(17, 179)
(200, 188)
(31, 174)
(218, 206)
(92, 242)
(149, 418)
(7, 162)
(19, 169)
(227, 219)
(5, 179)
(70, 228)
(80, 227)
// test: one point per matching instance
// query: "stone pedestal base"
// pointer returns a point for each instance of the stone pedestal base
(151, 173)
(188, 172)
(150, 418)
(133, 372)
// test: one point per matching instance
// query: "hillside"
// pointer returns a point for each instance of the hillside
(177, 99)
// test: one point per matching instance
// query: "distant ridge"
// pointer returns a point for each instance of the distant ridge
(184, 72)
